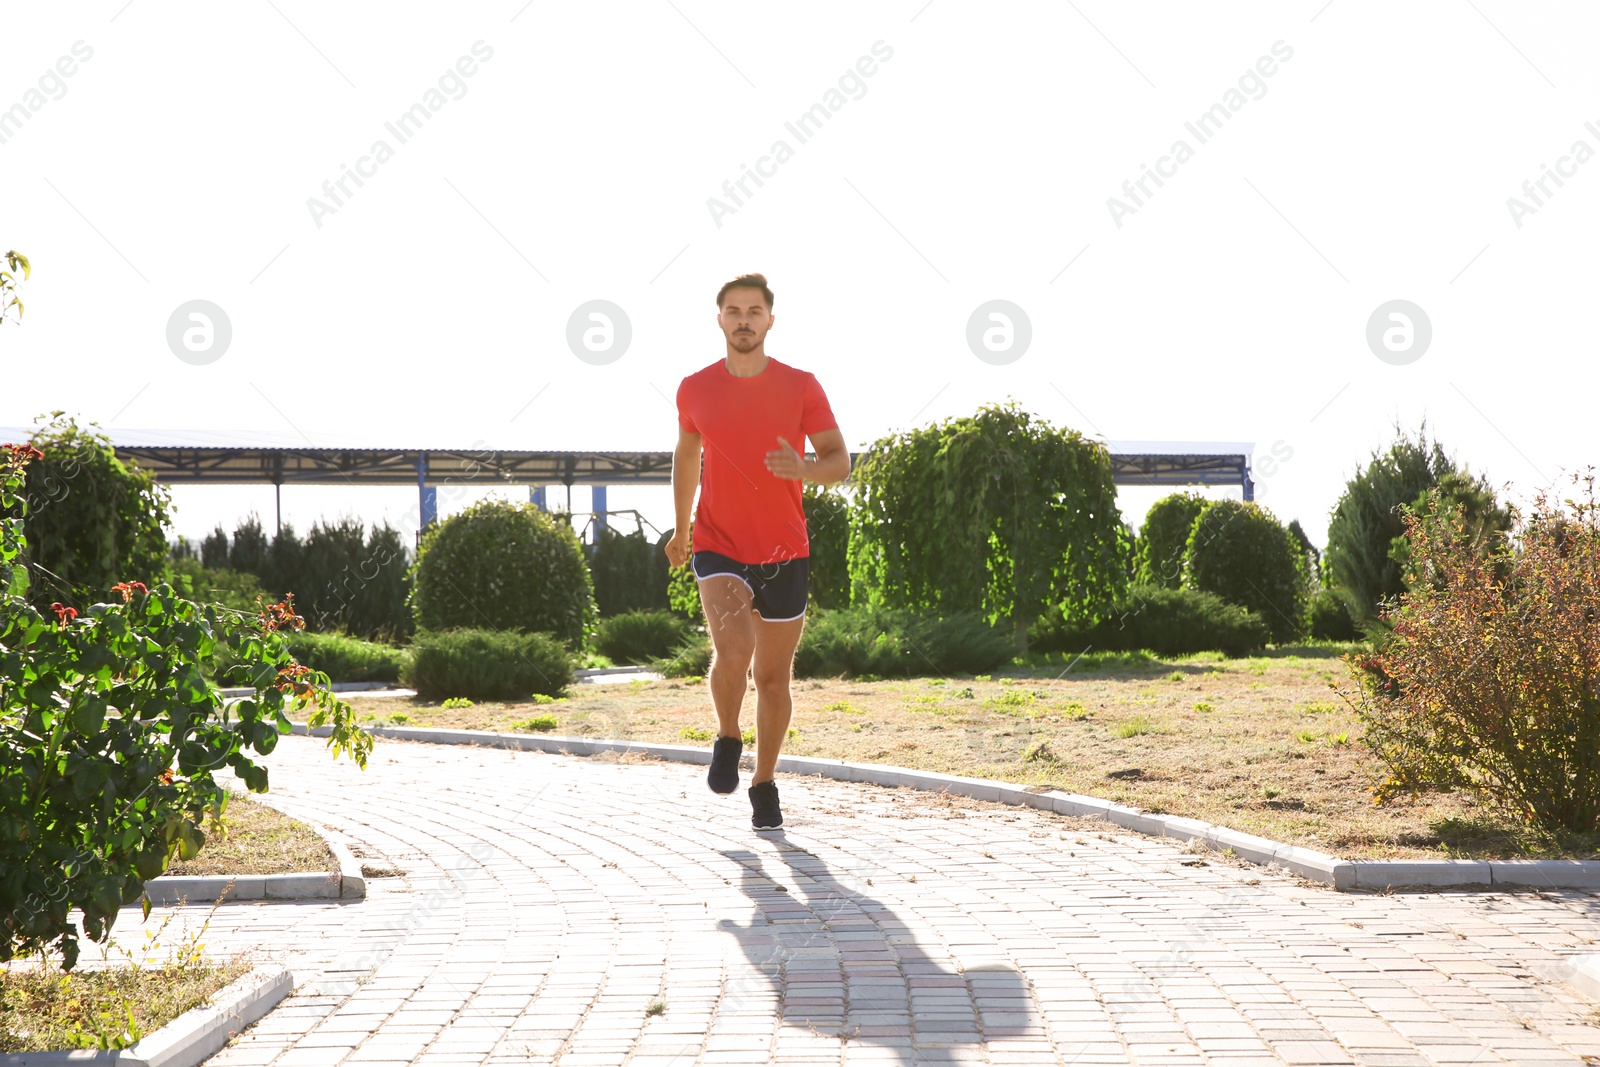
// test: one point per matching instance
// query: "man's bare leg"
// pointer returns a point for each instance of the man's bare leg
(732, 626)
(775, 643)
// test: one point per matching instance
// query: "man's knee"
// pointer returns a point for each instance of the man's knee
(772, 681)
(732, 656)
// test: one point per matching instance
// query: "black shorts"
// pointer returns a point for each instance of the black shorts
(777, 590)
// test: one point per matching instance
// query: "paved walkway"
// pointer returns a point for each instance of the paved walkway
(547, 901)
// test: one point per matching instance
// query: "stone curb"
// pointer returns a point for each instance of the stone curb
(352, 883)
(345, 883)
(193, 888)
(1307, 863)
(190, 1038)
(605, 672)
(336, 687)
(370, 687)
(1585, 974)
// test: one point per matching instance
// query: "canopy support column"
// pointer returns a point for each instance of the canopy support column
(427, 495)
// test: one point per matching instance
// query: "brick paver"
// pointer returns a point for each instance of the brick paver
(547, 901)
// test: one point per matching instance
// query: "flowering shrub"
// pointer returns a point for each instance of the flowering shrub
(110, 735)
(1489, 678)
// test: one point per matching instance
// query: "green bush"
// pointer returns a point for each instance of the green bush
(250, 552)
(504, 566)
(92, 520)
(488, 665)
(353, 580)
(683, 591)
(348, 659)
(1167, 622)
(899, 642)
(344, 578)
(1238, 551)
(234, 590)
(629, 572)
(1366, 533)
(214, 549)
(863, 641)
(1308, 552)
(828, 531)
(1329, 617)
(689, 659)
(640, 636)
(1164, 539)
(1489, 680)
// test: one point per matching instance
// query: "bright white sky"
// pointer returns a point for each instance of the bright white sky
(575, 163)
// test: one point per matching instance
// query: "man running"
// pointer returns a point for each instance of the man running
(751, 552)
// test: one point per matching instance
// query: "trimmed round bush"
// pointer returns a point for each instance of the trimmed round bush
(640, 637)
(1240, 552)
(488, 665)
(503, 566)
(1164, 538)
(1167, 622)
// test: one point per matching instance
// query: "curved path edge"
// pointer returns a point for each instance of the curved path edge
(344, 882)
(1316, 866)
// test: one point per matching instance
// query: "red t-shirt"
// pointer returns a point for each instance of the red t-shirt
(746, 512)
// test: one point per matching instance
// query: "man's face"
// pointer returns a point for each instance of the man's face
(744, 318)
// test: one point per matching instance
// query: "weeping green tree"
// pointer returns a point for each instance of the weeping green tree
(999, 513)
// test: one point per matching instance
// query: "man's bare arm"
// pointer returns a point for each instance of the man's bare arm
(832, 462)
(685, 476)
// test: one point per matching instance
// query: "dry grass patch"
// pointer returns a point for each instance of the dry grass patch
(1261, 744)
(255, 839)
(111, 1001)
(44, 1008)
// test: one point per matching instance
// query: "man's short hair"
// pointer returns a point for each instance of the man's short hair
(746, 281)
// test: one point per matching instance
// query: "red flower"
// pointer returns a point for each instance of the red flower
(64, 614)
(127, 588)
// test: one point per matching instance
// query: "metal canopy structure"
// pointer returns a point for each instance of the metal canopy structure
(221, 458)
(1183, 463)
(397, 466)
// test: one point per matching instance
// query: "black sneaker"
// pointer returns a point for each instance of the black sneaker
(724, 774)
(764, 811)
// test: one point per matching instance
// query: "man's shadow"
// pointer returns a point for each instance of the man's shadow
(842, 963)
